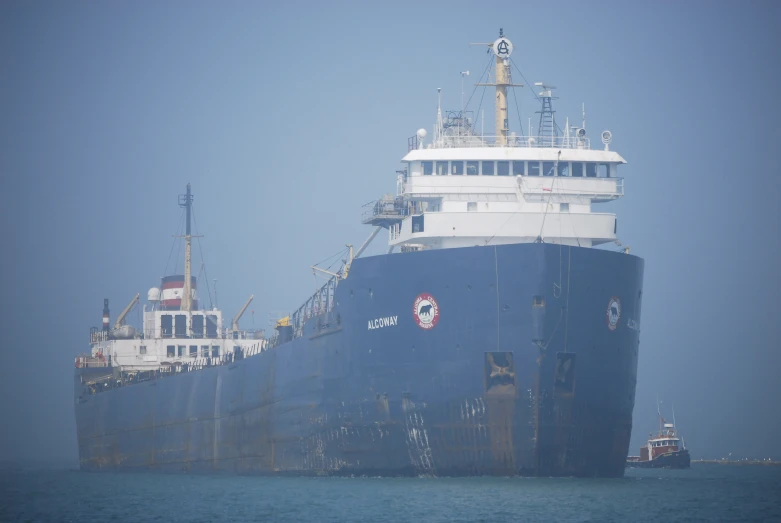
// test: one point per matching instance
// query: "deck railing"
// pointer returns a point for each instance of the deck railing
(564, 142)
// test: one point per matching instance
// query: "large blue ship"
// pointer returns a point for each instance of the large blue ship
(497, 336)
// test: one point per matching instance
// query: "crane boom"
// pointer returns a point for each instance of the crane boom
(121, 317)
(235, 322)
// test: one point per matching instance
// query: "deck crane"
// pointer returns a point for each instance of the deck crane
(121, 318)
(235, 321)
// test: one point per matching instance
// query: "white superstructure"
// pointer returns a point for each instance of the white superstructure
(176, 333)
(466, 189)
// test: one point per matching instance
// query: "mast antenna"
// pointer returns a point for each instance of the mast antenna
(502, 48)
(547, 127)
(186, 201)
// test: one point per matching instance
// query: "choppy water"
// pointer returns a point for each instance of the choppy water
(703, 493)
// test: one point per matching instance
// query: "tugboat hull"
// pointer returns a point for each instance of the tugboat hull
(671, 460)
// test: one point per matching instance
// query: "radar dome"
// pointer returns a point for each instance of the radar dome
(153, 294)
(422, 133)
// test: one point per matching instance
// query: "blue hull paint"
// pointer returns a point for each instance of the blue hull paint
(499, 386)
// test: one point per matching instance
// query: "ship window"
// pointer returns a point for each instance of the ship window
(193, 351)
(142, 349)
(547, 168)
(180, 350)
(170, 351)
(166, 325)
(518, 168)
(564, 207)
(456, 167)
(472, 168)
(441, 168)
(534, 168)
(211, 326)
(428, 168)
(604, 170)
(180, 325)
(197, 326)
(204, 351)
(503, 168)
(417, 223)
(577, 169)
(591, 170)
(488, 168)
(215, 351)
(471, 206)
(563, 168)
(538, 301)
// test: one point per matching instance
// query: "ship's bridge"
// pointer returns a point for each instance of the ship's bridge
(465, 196)
(466, 189)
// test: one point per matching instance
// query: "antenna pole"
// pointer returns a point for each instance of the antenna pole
(502, 126)
(187, 291)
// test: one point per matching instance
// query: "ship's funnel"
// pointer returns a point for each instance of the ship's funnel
(173, 291)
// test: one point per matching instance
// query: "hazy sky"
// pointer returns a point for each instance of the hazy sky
(288, 116)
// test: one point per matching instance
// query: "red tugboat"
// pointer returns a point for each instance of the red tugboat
(666, 450)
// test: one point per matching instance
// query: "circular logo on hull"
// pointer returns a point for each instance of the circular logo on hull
(613, 313)
(425, 311)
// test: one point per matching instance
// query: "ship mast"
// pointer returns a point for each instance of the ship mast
(186, 201)
(502, 48)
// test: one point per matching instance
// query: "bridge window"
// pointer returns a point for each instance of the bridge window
(204, 351)
(180, 350)
(472, 168)
(170, 351)
(604, 170)
(197, 325)
(563, 169)
(534, 168)
(547, 168)
(166, 325)
(180, 325)
(456, 167)
(503, 168)
(441, 168)
(577, 169)
(428, 168)
(518, 168)
(591, 170)
(564, 207)
(142, 349)
(193, 351)
(215, 351)
(471, 206)
(488, 168)
(417, 223)
(211, 326)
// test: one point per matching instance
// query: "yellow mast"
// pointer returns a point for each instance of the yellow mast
(502, 48)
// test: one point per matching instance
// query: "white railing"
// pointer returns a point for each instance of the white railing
(562, 142)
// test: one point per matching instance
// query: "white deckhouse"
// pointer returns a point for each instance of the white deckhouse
(466, 189)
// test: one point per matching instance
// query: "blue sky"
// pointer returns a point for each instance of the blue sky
(287, 117)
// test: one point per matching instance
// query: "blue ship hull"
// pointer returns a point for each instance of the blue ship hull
(524, 373)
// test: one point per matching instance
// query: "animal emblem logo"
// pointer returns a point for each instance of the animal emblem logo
(613, 313)
(425, 311)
